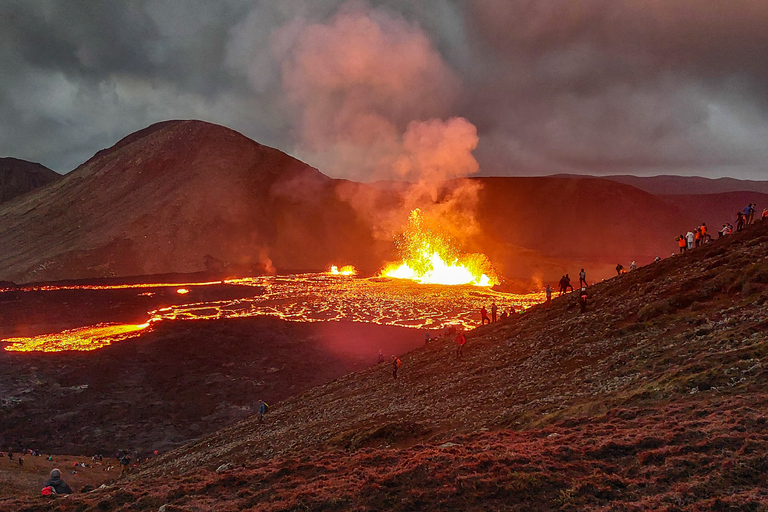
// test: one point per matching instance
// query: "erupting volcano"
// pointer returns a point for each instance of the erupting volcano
(430, 257)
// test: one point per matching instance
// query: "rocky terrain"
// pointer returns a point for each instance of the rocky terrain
(654, 399)
(17, 177)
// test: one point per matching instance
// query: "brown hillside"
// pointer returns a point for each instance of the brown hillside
(717, 209)
(590, 222)
(654, 399)
(17, 177)
(180, 196)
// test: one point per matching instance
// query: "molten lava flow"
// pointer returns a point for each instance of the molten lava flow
(431, 258)
(347, 270)
(82, 338)
(182, 291)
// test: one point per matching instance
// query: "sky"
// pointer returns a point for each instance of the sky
(367, 90)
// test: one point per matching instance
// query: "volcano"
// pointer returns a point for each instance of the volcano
(191, 197)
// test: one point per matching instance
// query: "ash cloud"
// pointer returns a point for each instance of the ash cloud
(584, 86)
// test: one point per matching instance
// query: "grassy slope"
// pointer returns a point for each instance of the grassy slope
(655, 398)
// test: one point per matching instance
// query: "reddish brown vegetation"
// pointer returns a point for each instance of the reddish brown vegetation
(653, 399)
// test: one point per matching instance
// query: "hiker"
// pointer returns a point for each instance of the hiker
(619, 269)
(58, 485)
(765, 214)
(568, 282)
(461, 340)
(704, 235)
(697, 237)
(561, 285)
(582, 278)
(484, 316)
(689, 240)
(747, 212)
(681, 243)
(494, 309)
(381, 356)
(263, 408)
(752, 211)
(632, 266)
(395, 366)
(548, 291)
(125, 462)
(583, 300)
(739, 221)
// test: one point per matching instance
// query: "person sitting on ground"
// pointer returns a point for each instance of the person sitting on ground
(58, 485)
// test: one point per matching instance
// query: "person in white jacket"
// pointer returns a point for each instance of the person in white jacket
(689, 237)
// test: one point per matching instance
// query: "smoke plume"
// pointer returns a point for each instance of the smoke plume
(371, 99)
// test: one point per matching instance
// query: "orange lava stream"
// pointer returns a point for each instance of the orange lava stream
(430, 257)
(306, 298)
(82, 338)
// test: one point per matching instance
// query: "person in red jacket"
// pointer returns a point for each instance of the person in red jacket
(461, 340)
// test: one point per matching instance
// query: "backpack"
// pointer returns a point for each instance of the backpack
(47, 491)
(266, 407)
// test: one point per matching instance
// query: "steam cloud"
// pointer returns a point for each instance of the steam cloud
(368, 92)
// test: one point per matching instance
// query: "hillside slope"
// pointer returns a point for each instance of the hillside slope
(17, 177)
(179, 196)
(655, 398)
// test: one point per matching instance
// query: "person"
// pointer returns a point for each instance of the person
(561, 285)
(125, 462)
(765, 214)
(503, 315)
(619, 269)
(381, 356)
(632, 266)
(722, 232)
(461, 340)
(657, 259)
(568, 282)
(704, 235)
(494, 310)
(511, 310)
(582, 278)
(263, 408)
(697, 237)
(426, 336)
(583, 300)
(58, 485)
(689, 237)
(739, 221)
(484, 316)
(549, 295)
(395, 366)
(681, 243)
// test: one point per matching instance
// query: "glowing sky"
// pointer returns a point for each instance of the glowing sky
(538, 86)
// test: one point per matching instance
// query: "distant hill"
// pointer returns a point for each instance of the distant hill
(18, 177)
(687, 185)
(181, 196)
(654, 398)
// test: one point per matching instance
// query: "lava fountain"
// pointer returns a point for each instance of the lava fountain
(429, 257)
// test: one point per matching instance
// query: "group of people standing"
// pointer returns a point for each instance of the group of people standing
(700, 235)
(494, 314)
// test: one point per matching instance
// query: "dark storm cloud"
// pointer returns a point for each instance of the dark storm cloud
(593, 86)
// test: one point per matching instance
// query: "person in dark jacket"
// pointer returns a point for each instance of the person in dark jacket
(59, 485)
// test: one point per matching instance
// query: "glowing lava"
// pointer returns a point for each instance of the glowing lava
(347, 270)
(82, 338)
(431, 258)
(182, 291)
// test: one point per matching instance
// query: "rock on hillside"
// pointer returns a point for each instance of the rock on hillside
(17, 177)
(180, 196)
(654, 399)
